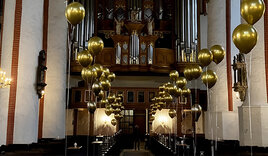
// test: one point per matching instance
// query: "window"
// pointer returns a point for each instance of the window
(130, 96)
(126, 123)
(140, 96)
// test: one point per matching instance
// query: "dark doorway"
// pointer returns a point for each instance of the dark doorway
(140, 120)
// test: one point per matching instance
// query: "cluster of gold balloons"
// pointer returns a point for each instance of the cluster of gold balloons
(174, 89)
(113, 105)
(245, 36)
(216, 54)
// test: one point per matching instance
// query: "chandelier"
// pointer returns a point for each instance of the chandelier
(4, 81)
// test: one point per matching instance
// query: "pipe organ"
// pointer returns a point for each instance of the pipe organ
(159, 33)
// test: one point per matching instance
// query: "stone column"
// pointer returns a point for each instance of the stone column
(253, 119)
(220, 123)
(31, 36)
(22, 41)
(55, 92)
(6, 59)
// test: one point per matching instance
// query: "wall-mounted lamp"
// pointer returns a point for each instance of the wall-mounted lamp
(4, 81)
(240, 76)
(41, 74)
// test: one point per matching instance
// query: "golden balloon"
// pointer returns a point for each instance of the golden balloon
(112, 110)
(101, 94)
(172, 90)
(111, 98)
(159, 107)
(181, 82)
(104, 102)
(157, 99)
(172, 113)
(209, 78)
(106, 72)
(152, 118)
(107, 105)
(188, 73)
(166, 85)
(218, 53)
(162, 104)
(196, 112)
(108, 112)
(75, 13)
(252, 10)
(105, 84)
(117, 110)
(117, 116)
(154, 107)
(84, 58)
(174, 75)
(89, 74)
(96, 88)
(111, 77)
(168, 98)
(117, 105)
(177, 92)
(185, 92)
(161, 93)
(196, 71)
(245, 38)
(96, 45)
(91, 107)
(205, 57)
(99, 69)
(161, 88)
(113, 122)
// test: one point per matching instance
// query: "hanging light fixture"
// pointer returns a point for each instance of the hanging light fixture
(4, 81)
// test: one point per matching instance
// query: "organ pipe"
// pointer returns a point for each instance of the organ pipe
(85, 29)
(187, 30)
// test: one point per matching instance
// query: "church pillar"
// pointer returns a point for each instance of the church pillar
(24, 71)
(221, 120)
(253, 119)
(6, 59)
(55, 92)
(22, 41)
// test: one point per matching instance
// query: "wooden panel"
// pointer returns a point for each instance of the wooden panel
(140, 120)
(106, 57)
(164, 57)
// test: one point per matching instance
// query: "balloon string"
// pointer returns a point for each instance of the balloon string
(69, 38)
(210, 114)
(216, 102)
(249, 102)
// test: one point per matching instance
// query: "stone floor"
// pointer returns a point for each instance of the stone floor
(58, 149)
